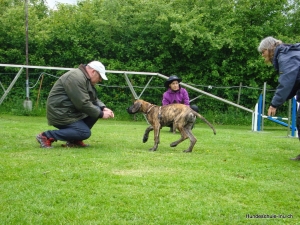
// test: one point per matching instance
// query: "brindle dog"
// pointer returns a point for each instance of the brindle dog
(182, 117)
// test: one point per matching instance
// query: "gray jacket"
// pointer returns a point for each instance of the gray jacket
(73, 98)
(287, 62)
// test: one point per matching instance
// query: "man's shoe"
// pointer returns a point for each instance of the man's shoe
(44, 141)
(75, 144)
(296, 158)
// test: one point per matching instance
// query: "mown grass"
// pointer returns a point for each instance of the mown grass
(117, 181)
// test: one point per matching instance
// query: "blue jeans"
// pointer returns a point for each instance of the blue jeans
(78, 131)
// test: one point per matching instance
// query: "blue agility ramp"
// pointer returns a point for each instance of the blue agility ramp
(281, 123)
(258, 116)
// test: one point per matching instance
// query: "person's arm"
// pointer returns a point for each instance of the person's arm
(100, 104)
(186, 98)
(77, 91)
(288, 70)
(166, 100)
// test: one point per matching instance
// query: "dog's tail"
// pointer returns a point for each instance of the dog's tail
(208, 123)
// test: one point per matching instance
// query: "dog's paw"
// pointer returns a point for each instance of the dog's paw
(145, 139)
(187, 151)
(173, 144)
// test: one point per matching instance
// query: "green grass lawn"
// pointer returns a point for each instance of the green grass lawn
(229, 176)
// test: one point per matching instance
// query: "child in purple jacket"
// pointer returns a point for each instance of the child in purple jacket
(176, 94)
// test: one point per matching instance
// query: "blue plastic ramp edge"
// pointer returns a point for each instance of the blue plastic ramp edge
(279, 122)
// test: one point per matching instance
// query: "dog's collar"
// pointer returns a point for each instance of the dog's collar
(151, 106)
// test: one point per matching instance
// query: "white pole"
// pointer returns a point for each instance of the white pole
(254, 118)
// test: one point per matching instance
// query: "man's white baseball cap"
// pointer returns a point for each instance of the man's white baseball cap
(98, 66)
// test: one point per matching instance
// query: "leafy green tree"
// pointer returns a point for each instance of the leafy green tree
(206, 42)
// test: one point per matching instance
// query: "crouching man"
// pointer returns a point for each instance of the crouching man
(73, 106)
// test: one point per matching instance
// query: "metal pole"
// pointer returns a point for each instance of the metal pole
(263, 105)
(239, 95)
(27, 103)
(26, 44)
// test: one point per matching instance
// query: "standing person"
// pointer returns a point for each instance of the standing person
(286, 61)
(176, 94)
(73, 106)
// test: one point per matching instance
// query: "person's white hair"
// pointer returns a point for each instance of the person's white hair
(268, 43)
